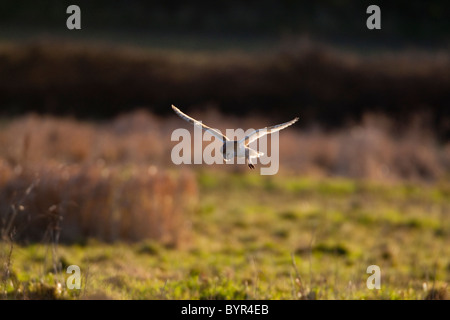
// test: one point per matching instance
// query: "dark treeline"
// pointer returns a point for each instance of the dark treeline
(316, 82)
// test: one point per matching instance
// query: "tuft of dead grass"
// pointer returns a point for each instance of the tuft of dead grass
(438, 294)
(95, 201)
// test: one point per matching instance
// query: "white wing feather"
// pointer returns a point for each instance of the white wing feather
(267, 130)
(197, 123)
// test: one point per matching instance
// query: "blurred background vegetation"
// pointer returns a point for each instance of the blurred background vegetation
(316, 59)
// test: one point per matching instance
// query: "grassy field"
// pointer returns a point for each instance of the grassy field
(259, 237)
(86, 143)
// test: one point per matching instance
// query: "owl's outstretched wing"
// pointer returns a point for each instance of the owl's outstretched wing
(197, 123)
(267, 130)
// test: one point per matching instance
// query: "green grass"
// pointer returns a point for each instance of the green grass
(259, 237)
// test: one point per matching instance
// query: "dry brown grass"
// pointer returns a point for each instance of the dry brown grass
(374, 149)
(113, 180)
(114, 202)
(438, 294)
